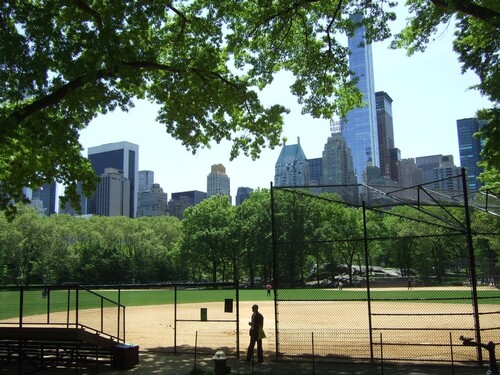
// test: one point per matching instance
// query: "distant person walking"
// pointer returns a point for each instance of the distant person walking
(340, 285)
(269, 287)
(409, 283)
(256, 335)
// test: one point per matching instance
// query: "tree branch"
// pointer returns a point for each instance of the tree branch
(485, 14)
(62, 92)
(330, 25)
(87, 9)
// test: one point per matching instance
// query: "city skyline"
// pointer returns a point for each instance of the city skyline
(428, 91)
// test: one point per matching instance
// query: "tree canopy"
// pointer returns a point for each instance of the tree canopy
(477, 43)
(204, 62)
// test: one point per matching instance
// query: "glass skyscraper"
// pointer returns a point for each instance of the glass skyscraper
(470, 149)
(360, 131)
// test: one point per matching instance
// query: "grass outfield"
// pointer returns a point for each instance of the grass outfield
(35, 304)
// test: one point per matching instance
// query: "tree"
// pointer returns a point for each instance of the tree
(207, 245)
(477, 42)
(253, 218)
(64, 62)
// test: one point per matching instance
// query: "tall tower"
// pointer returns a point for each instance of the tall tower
(385, 131)
(360, 131)
(218, 182)
(123, 156)
(291, 169)
(470, 149)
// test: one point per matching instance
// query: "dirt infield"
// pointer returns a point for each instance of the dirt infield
(423, 330)
(341, 328)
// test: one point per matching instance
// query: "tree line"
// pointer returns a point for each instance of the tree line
(317, 239)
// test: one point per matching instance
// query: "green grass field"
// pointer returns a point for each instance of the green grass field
(59, 301)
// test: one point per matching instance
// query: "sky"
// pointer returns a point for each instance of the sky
(429, 95)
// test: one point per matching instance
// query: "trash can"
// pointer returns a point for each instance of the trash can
(220, 360)
(125, 356)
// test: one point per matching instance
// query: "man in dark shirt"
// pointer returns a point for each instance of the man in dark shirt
(256, 335)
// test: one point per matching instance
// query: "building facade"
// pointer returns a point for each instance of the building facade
(146, 180)
(395, 164)
(180, 201)
(291, 168)
(242, 194)
(112, 194)
(218, 182)
(470, 148)
(47, 196)
(315, 167)
(338, 169)
(385, 130)
(123, 156)
(428, 163)
(411, 175)
(152, 202)
(360, 131)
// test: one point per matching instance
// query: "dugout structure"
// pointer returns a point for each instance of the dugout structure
(394, 274)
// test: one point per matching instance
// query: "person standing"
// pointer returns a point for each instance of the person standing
(269, 287)
(256, 335)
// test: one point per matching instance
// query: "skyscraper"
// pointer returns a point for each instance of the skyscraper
(291, 168)
(470, 149)
(411, 175)
(315, 167)
(338, 168)
(428, 163)
(112, 194)
(182, 200)
(242, 194)
(218, 182)
(385, 131)
(146, 180)
(360, 131)
(152, 201)
(47, 194)
(123, 156)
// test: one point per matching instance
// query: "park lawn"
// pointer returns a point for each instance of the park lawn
(59, 299)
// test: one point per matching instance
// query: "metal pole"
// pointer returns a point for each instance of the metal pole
(275, 273)
(238, 319)
(472, 265)
(368, 296)
(119, 315)
(175, 320)
(21, 303)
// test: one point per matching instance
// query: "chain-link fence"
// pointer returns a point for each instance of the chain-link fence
(391, 274)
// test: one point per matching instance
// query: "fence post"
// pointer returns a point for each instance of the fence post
(275, 272)
(381, 355)
(77, 302)
(21, 305)
(368, 296)
(451, 353)
(313, 357)
(119, 307)
(175, 319)
(472, 265)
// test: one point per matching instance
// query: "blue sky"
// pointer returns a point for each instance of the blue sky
(428, 90)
